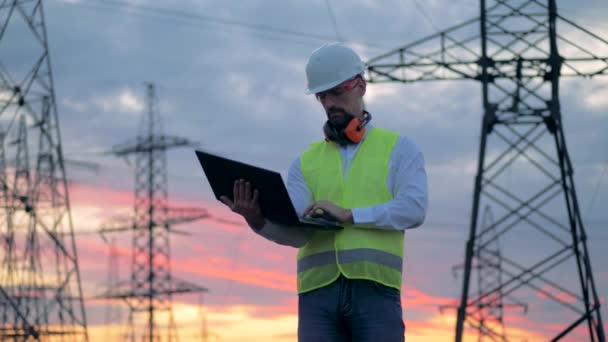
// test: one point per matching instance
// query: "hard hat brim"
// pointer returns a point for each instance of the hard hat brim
(323, 87)
(330, 85)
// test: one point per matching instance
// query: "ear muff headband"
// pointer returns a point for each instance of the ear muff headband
(353, 133)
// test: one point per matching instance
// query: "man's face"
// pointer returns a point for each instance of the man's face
(343, 101)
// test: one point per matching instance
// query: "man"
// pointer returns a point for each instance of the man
(369, 179)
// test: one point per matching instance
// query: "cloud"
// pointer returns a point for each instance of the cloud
(122, 101)
(241, 268)
(381, 92)
(240, 91)
(256, 277)
(596, 100)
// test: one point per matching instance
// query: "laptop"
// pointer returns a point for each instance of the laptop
(273, 197)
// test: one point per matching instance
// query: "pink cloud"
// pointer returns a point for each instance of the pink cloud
(224, 252)
(252, 276)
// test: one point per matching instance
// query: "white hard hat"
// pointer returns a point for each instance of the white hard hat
(330, 65)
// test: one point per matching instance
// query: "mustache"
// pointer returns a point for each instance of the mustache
(338, 122)
(335, 110)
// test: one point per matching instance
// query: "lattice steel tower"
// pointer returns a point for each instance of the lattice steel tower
(489, 310)
(151, 287)
(512, 50)
(40, 289)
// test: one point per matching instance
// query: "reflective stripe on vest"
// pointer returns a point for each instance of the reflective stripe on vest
(351, 255)
(356, 252)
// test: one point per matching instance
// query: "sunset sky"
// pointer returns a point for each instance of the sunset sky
(230, 76)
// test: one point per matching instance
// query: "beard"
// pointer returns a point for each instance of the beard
(339, 122)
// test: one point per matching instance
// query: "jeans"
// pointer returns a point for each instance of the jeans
(351, 310)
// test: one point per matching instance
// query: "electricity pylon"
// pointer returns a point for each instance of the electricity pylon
(151, 287)
(40, 288)
(490, 309)
(112, 313)
(512, 50)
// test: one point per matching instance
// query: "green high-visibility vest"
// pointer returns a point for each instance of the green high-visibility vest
(356, 252)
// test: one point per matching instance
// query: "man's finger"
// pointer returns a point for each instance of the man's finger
(256, 195)
(247, 191)
(309, 209)
(235, 190)
(227, 201)
(242, 190)
(316, 212)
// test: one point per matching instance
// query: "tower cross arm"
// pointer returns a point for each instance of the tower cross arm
(143, 144)
(455, 54)
(184, 215)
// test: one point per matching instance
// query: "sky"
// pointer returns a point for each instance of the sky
(229, 75)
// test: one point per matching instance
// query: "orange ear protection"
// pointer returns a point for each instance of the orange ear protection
(351, 134)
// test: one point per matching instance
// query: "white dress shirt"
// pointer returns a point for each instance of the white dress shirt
(406, 181)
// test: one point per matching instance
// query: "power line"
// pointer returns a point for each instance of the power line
(333, 20)
(200, 24)
(113, 169)
(424, 14)
(192, 17)
(597, 187)
(588, 17)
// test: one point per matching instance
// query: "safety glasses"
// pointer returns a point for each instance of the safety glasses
(339, 89)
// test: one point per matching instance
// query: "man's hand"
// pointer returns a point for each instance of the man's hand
(327, 208)
(245, 203)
